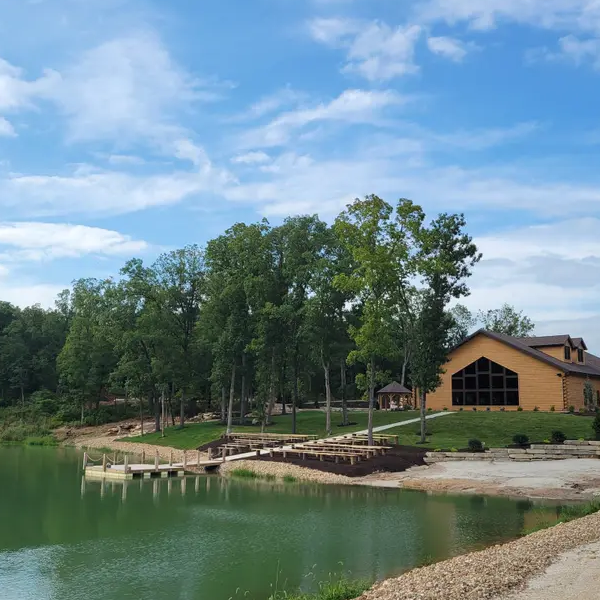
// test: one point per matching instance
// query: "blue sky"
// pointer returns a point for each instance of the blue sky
(128, 127)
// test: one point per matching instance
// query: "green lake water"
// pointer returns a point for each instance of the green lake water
(207, 538)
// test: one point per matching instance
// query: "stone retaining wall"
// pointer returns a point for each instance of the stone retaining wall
(570, 449)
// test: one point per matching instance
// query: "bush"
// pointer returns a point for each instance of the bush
(536, 409)
(453, 450)
(571, 409)
(520, 409)
(475, 445)
(289, 479)
(596, 427)
(520, 439)
(552, 408)
(558, 437)
(582, 411)
(445, 408)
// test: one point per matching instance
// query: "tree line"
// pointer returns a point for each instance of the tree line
(262, 314)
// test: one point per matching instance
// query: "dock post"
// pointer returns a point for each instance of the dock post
(171, 458)
(258, 453)
(125, 463)
(209, 454)
(198, 458)
(156, 461)
(104, 463)
(184, 460)
(143, 456)
(85, 460)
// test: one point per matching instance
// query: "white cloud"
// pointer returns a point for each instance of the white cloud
(448, 47)
(487, 14)
(480, 139)
(16, 92)
(374, 50)
(6, 129)
(125, 159)
(26, 294)
(21, 241)
(351, 106)
(96, 192)
(251, 158)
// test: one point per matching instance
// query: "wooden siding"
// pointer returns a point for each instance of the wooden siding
(539, 384)
(574, 390)
(558, 352)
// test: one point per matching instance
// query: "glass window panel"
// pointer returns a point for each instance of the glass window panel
(484, 382)
(510, 373)
(496, 368)
(497, 398)
(457, 383)
(484, 398)
(512, 383)
(470, 382)
(483, 365)
(580, 355)
(470, 398)
(497, 382)
(458, 398)
(567, 353)
(471, 369)
(512, 398)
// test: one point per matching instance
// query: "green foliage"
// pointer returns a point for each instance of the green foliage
(552, 408)
(520, 439)
(475, 445)
(520, 409)
(289, 479)
(336, 588)
(589, 395)
(571, 409)
(596, 427)
(536, 409)
(558, 437)
(245, 474)
(507, 320)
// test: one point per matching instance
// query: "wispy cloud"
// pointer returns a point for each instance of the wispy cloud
(6, 129)
(251, 158)
(451, 48)
(374, 50)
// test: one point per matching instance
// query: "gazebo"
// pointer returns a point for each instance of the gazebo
(394, 396)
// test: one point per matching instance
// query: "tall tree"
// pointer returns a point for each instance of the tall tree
(507, 320)
(462, 322)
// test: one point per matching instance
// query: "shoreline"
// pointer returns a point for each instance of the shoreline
(493, 573)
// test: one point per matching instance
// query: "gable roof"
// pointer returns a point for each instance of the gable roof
(591, 368)
(394, 388)
(547, 340)
(578, 342)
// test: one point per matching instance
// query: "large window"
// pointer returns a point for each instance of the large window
(485, 383)
(580, 355)
(567, 353)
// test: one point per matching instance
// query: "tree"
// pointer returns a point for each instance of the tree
(378, 252)
(507, 320)
(589, 396)
(444, 258)
(462, 322)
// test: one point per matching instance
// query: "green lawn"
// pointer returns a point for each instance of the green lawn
(496, 429)
(310, 422)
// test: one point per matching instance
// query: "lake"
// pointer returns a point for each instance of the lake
(207, 538)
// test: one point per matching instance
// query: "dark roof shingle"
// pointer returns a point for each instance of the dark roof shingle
(394, 388)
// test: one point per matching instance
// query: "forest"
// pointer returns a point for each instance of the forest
(303, 313)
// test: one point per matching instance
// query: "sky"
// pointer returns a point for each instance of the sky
(133, 127)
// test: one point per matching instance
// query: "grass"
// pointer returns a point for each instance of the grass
(289, 479)
(309, 422)
(495, 429)
(334, 589)
(565, 514)
(245, 474)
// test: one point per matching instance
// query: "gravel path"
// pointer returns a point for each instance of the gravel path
(487, 574)
(573, 576)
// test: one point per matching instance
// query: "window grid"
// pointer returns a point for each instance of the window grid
(485, 383)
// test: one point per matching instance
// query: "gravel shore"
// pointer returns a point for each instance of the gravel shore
(488, 574)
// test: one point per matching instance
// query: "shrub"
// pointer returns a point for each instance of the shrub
(430, 409)
(536, 409)
(475, 445)
(460, 409)
(582, 411)
(558, 437)
(289, 479)
(520, 439)
(546, 441)
(571, 409)
(552, 408)
(488, 409)
(453, 450)
(438, 450)
(474, 409)
(520, 408)
(596, 427)
(244, 473)
(445, 408)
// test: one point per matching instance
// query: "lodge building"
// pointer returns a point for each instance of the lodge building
(493, 371)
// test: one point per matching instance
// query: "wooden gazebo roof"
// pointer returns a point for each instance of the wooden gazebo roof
(394, 388)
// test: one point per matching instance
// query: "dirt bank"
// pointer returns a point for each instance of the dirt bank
(571, 479)
(488, 574)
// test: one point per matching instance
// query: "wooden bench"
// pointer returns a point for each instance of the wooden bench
(304, 452)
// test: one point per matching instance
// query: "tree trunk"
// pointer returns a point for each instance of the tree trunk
(295, 397)
(153, 402)
(231, 394)
(404, 365)
(182, 410)
(223, 405)
(163, 413)
(327, 399)
(282, 388)
(243, 391)
(82, 409)
(423, 407)
(271, 402)
(371, 402)
(141, 417)
(344, 401)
